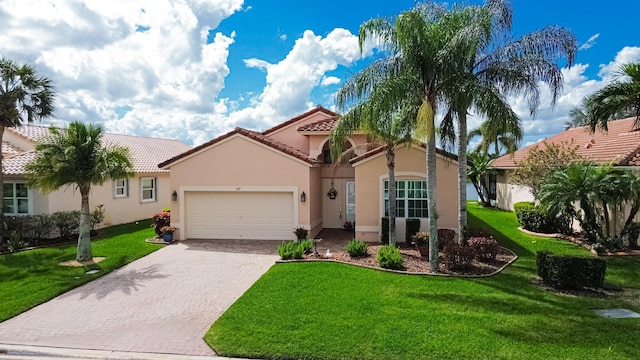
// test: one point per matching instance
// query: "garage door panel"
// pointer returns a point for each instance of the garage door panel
(239, 215)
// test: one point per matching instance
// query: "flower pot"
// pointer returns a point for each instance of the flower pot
(424, 250)
(168, 238)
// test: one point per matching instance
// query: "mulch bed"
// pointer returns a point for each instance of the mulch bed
(414, 263)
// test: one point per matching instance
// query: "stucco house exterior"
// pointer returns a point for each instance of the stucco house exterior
(619, 146)
(124, 200)
(262, 185)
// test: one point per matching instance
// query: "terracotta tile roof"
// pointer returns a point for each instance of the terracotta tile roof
(380, 149)
(318, 108)
(10, 149)
(146, 152)
(620, 145)
(14, 165)
(251, 135)
(320, 126)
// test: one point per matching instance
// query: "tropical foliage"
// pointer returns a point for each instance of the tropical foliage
(479, 172)
(76, 157)
(24, 96)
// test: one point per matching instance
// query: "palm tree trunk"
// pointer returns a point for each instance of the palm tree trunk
(431, 201)
(392, 194)
(84, 238)
(1, 184)
(462, 178)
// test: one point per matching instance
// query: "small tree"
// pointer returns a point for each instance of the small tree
(542, 161)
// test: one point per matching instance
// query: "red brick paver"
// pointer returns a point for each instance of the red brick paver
(162, 303)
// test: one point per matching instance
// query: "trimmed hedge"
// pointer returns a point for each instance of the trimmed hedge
(570, 272)
(412, 227)
(384, 232)
(533, 218)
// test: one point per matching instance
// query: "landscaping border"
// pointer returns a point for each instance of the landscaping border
(402, 272)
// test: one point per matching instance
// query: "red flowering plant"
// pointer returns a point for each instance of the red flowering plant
(161, 220)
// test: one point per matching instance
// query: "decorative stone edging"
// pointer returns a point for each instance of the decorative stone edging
(529, 232)
(406, 272)
(581, 243)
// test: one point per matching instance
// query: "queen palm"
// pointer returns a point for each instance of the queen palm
(76, 157)
(505, 136)
(24, 96)
(620, 97)
(387, 123)
(494, 67)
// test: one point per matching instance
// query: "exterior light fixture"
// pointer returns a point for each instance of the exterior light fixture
(174, 196)
(303, 197)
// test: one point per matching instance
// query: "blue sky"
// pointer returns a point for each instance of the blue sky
(194, 69)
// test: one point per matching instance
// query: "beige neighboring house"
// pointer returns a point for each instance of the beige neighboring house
(125, 200)
(262, 185)
(619, 146)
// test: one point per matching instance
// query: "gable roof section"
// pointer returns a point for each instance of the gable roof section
(9, 149)
(14, 164)
(318, 108)
(619, 146)
(321, 126)
(146, 152)
(288, 150)
(381, 149)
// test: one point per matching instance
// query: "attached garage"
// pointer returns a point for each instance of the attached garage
(256, 215)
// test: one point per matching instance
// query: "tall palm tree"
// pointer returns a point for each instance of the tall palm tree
(427, 46)
(494, 67)
(24, 96)
(620, 97)
(76, 157)
(501, 137)
(387, 123)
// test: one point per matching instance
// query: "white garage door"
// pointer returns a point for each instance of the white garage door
(239, 215)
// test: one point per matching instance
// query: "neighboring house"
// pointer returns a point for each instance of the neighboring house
(124, 200)
(620, 147)
(252, 185)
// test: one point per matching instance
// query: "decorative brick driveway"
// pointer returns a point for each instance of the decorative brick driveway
(162, 303)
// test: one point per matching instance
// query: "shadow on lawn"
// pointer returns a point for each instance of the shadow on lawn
(503, 239)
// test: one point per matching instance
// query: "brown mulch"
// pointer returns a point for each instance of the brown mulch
(414, 263)
(75, 263)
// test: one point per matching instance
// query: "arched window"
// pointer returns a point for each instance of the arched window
(325, 157)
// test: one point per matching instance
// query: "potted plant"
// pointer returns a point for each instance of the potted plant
(421, 241)
(348, 225)
(161, 220)
(301, 233)
(167, 233)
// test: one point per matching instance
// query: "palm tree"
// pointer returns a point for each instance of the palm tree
(75, 156)
(620, 97)
(23, 96)
(502, 137)
(427, 46)
(479, 171)
(386, 123)
(493, 67)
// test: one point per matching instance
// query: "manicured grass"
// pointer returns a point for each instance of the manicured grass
(32, 277)
(335, 311)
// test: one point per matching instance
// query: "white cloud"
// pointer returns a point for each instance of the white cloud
(329, 80)
(283, 37)
(590, 42)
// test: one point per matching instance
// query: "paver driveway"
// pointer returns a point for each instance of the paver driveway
(162, 303)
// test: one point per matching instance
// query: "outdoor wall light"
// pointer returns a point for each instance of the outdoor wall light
(174, 196)
(303, 197)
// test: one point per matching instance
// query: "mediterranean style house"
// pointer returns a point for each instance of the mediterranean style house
(124, 200)
(262, 185)
(619, 146)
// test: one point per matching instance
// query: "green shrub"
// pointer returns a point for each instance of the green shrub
(485, 248)
(67, 222)
(533, 218)
(306, 245)
(97, 216)
(357, 248)
(412, 226)
(41, 226)
(290, 250)
(15, 242)
(384, 232)
(631, 234)
(457, 256)
(389, 257)
(572, 272)
(445, 236)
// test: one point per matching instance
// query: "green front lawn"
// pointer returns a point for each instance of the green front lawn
(335, 311)
(32, 277)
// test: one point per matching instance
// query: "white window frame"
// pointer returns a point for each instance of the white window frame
(29, 198)
(153, 188)
(402, 196)
(124, 186)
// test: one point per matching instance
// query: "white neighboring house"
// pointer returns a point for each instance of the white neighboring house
(619, 146)
(124, 200)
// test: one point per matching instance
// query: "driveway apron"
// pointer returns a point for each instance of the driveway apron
(162, 303)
